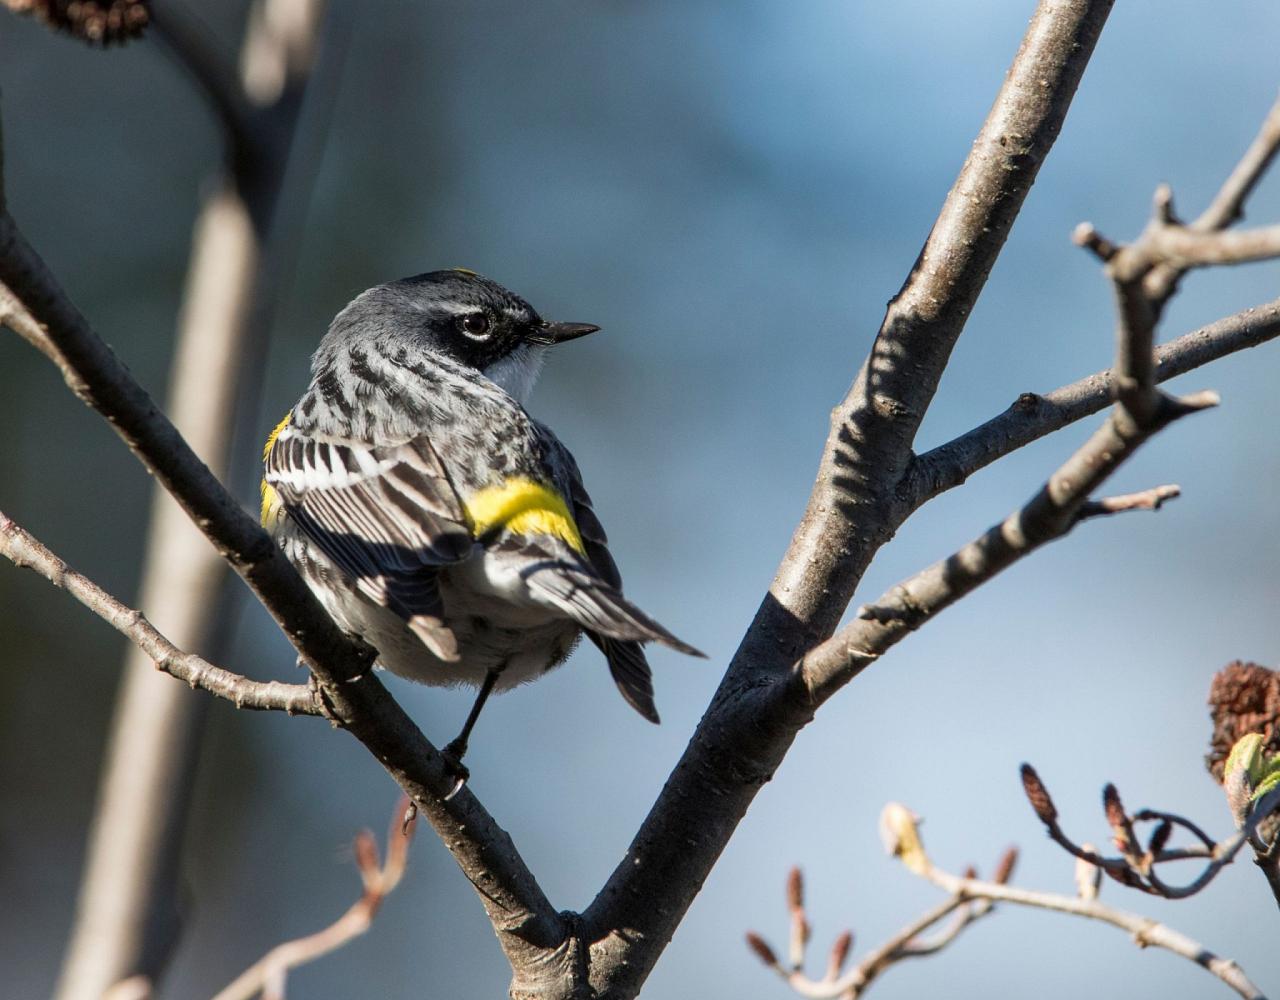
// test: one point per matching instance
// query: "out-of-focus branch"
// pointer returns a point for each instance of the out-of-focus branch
(127, 918)
(267, 976)
(212, 70)
(906, 943)
(853, 508)
(23, 550)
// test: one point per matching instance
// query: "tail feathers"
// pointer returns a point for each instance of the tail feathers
(630, 672)
(599, 607)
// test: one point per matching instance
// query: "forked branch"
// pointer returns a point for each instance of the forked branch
(971, 898)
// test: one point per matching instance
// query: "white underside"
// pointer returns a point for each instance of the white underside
(497, 623)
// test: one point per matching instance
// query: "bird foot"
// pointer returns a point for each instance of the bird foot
(453, 754)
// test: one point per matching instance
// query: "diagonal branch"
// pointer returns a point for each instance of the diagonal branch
(267, 976)
(23, 550)
(35, 306)
(1144, 931)
(852, 511)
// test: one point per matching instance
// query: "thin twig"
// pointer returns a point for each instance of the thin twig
(1034, 416)
(1137, 869)
(1145, 931)
(23, 550)
(267, 976)
(903, 944)
(1227, 205)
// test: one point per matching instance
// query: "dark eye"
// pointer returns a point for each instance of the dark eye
(475, 324)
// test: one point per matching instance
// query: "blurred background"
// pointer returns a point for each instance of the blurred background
(733, 192)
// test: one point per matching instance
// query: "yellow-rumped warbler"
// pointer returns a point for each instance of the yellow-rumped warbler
(430, 514)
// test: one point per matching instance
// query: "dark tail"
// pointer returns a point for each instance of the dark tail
(630, 671)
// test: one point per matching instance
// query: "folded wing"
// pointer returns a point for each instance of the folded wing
(386, 516)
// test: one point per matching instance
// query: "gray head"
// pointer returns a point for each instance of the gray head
(458, 314)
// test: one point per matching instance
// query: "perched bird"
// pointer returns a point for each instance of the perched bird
(430, 514)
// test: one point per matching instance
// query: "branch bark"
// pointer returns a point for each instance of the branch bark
(528, 927)
(852, 511)
(20, 548)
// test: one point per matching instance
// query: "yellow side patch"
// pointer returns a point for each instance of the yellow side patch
(523, 507)
(270, 501)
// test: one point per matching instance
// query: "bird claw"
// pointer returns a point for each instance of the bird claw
(453, 754)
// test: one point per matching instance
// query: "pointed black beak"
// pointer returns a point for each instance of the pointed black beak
(559, 333)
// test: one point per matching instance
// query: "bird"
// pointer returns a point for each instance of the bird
(431, 515)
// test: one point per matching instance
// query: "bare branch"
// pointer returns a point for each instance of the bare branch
(23, 550)
(267, 975)
(1032, 416)
(1136, 867)
(36, 307)
(853, 509)
(1144, 931)
(905, 943)
(214, 72)
(1227, 206)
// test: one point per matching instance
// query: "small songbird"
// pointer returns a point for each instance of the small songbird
(431, 515)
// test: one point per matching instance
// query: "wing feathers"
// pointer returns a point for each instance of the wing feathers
(388, 517)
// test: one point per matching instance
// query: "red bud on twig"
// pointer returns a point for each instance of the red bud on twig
(1038, 796)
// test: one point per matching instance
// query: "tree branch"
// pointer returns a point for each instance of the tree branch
(1032, 417)
(35, 306)
(127, 916)
(852, 511)
(1146, 933)
(25, 551)
(1227, 206)
(904, 841)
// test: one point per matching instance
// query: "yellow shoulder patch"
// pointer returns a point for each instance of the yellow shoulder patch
(523, 507)
(270, 501)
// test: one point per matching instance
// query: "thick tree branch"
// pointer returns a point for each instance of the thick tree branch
(23, 550)
(35, 306)
(852, 511)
